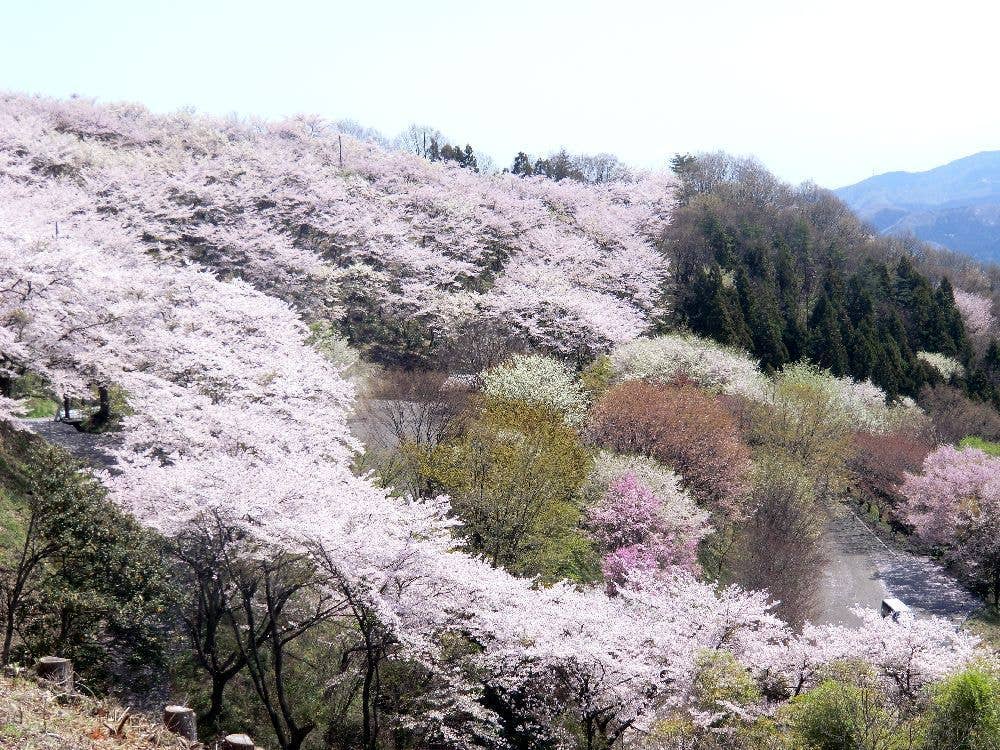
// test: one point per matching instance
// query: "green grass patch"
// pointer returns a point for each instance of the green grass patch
(39, 406)
(984, 445)
(11, 523)
(985, 623)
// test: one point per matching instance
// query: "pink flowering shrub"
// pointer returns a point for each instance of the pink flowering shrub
(634, 534)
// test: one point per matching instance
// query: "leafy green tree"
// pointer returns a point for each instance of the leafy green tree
(722, 681)
(760, 311)
(826, 342)
(803, 268)
(84, 580)
(965, 712)
(522, 165)
(468, 159)
(513, 477)
(848, 711)
(714, 312)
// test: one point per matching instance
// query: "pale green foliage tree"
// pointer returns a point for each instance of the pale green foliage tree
(850, 710)
(513, 478)
(804, 424)
(965, 712)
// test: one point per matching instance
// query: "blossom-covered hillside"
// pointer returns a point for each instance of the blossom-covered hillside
(407, 254)
(190, 255)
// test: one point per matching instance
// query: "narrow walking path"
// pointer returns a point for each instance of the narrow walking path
(862, 569)
(89, 448)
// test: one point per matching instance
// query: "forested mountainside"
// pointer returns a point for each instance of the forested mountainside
(608, 537)
(790, 273)
(956, 205)
(420, 263)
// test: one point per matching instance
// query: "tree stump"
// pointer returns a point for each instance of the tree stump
(56, 670)
(237, 742)
(181, 721)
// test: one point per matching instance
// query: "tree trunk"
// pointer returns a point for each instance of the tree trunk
(66, 406)
(181, 721)
(104, 406)
(6, 386)
(219, 683)
(298, 737)
(237, 742)
(367, 736)
(10, 617)
(57, 671)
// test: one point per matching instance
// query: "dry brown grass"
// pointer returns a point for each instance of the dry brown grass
(35, 718)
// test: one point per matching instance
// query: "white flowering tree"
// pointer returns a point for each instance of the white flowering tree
(718, 368)
(539, 380)
(945, 366)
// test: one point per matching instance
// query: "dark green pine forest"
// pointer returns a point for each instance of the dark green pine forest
(789, 273)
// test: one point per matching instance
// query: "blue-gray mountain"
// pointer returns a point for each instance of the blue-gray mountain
(956, 205)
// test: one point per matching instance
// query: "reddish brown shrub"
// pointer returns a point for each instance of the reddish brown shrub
(878, 464)
(956, 416)
(683, 427)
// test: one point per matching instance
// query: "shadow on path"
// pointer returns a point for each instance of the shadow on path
(862, 569)
(90, 448)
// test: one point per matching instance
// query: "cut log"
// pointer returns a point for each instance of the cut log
(181, 721)
(56, 670)
(237, 742)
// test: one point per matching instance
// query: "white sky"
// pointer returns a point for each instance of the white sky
(832, 91)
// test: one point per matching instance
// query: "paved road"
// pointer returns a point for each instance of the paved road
(863, 570)
(89, 448)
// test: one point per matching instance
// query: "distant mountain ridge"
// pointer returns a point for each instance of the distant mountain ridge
(956, 205)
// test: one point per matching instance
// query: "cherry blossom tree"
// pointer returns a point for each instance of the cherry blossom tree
(907, 655)
(395, 247)
(977, 312)
(955, 503)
